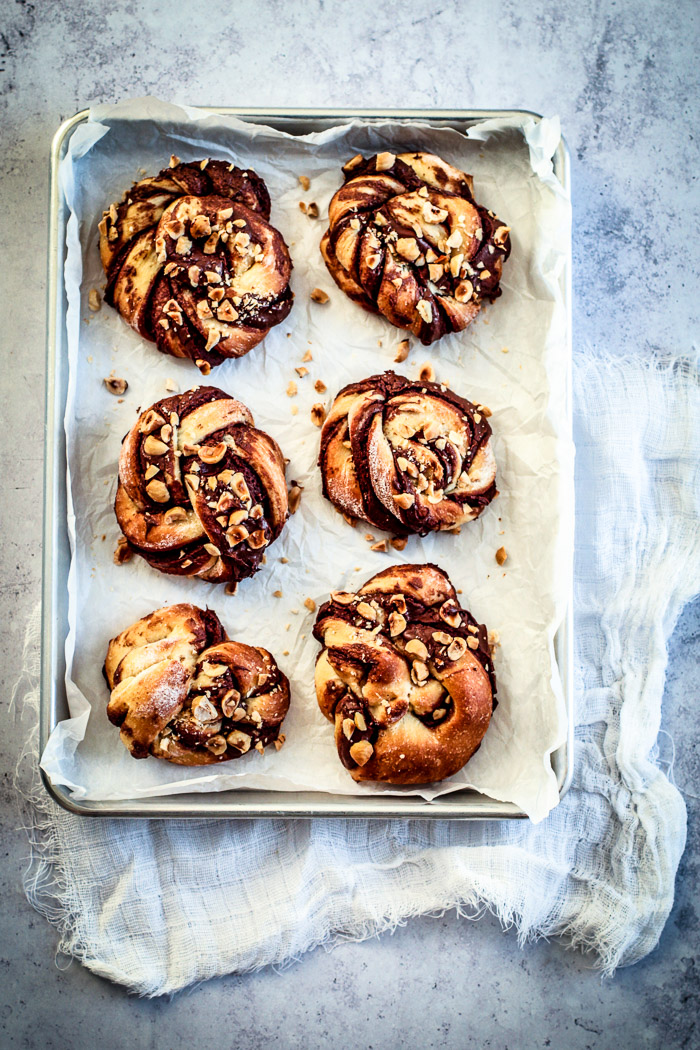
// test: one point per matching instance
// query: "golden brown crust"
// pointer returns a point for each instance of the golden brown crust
(407, 239)
(406, 676)
(408, 457)
(182, 691)
(201, 491)
(193, 264)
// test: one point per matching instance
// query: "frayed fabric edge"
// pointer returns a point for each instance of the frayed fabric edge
(47, 889)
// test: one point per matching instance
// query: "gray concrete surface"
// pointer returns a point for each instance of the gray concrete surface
(623, 76)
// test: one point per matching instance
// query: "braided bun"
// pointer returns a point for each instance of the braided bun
(407, 457)
(201, 492)
(405, 674)
(181, 690)
(407, 239)
(193, 264)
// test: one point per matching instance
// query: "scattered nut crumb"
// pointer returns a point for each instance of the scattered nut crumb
(312, 210)
(308, 356)
(402, 350)
(171, 385)
(114, 385)
(285, 652)
(319, 296)
(494, 640)
(123, 552)
(369, 537)
(318, 414)
(294, 497)
(174, 160)
(277, 594)
(504, 349)
(94, 300)
(427, 372)
(305, 181)
(352, 522)
(302, 206)
(291, 388)
(295, 409)
(399, 542)
(301, 371)
(279, 742)
(320, 387)
(284, 560)
(230, 588)
(501, 555)
(381, 546)
(310, 604)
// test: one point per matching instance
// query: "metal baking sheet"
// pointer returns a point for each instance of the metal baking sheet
(243, 802)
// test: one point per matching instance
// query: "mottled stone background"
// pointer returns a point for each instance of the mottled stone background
(624, 78)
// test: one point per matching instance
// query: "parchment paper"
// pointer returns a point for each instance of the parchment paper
(513, 359)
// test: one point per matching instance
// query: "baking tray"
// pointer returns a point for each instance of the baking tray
(243, 802)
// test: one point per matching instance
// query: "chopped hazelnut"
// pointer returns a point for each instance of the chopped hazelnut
(402, 350)
(361, 752)
(318, 414)
(116, 386)
(294, 496)
(123, 552)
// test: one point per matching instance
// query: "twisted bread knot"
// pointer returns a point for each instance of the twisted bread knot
(407, 457)
(406, 676)
(201, 492)
(407, 239)
(192, 263)
(182, 691)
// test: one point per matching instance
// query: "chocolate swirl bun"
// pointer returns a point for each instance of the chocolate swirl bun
(182, 691)
(406, 457)
(406, 676)
(193, 264)
(201, 492)
(407, 239)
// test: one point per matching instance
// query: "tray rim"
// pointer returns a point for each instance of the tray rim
(244, 803)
